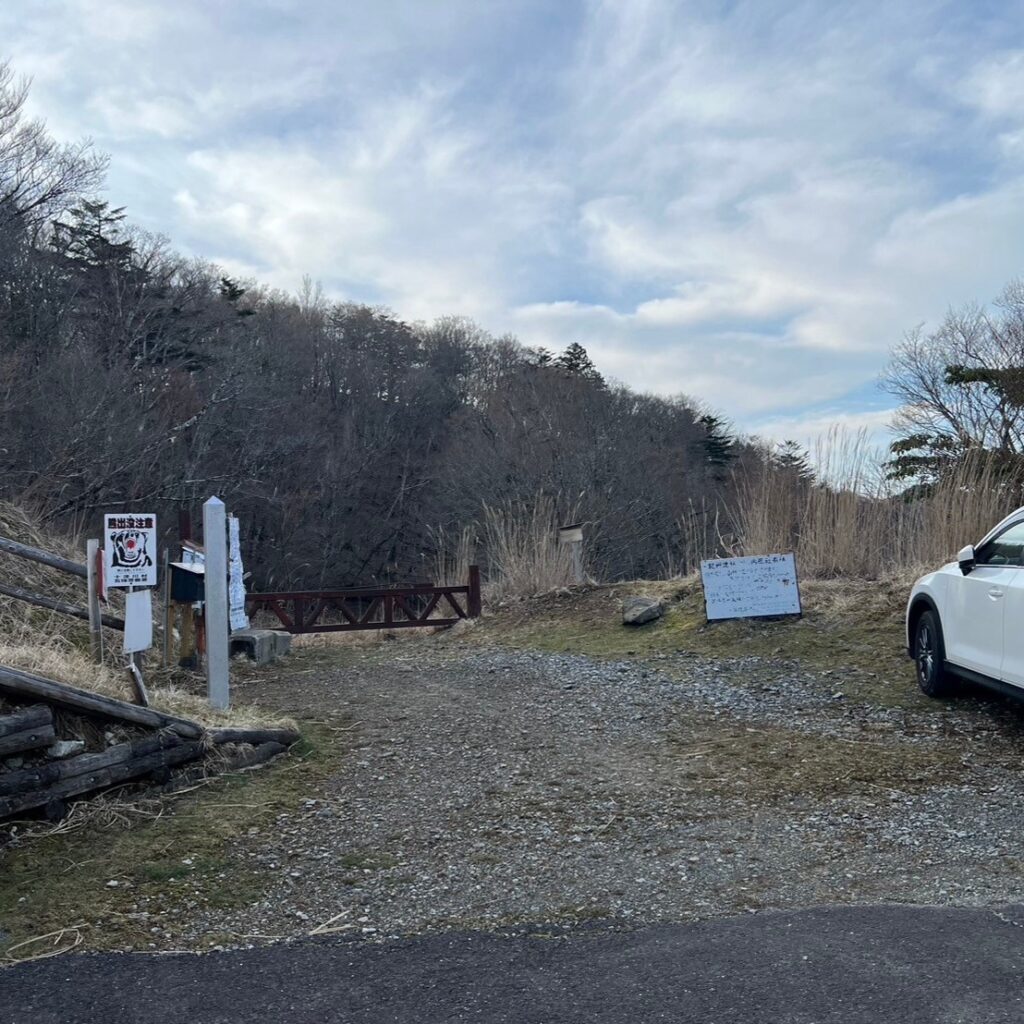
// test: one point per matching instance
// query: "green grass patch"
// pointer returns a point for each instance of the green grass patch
(186, 859)
(771, 764)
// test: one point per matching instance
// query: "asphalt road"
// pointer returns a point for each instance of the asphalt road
(826, 965)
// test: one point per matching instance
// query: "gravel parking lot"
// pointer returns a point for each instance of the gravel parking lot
(490, 788)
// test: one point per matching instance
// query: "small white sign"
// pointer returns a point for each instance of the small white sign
(750, 587)
(237, 619)
(138, 621)
(129, 543)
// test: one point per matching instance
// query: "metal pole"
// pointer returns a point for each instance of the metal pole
(215, 545)
(167, 608)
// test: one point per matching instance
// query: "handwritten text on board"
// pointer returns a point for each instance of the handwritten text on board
(755, 585)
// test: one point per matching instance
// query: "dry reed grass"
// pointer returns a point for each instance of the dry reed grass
(50, 644)
(854, 524)
(453, 554)
(524, 556)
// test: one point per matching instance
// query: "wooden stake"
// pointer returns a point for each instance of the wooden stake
(95, 619)
(137, 681)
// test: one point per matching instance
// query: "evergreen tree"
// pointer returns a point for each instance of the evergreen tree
(231, 291)
(717, 442)
(790, 456)
(575, 362)
(94, 237)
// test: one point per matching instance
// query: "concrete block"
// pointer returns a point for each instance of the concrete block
(260, 645)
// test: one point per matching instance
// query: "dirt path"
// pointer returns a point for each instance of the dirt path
(488, 789)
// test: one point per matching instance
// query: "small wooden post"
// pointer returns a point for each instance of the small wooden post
(475, 601)
(135, 673)
(92, 548)
(187, 646)
(572, 535)
(215, 545)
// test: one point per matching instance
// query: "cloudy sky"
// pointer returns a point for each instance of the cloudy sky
(746, 202)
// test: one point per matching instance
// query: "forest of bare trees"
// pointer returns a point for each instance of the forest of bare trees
(347, 440)
(357, 447)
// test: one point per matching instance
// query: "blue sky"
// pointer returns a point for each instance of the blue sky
(745, 202)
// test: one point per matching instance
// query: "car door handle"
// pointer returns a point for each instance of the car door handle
(995, 593)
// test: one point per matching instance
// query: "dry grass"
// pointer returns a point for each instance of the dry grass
(856, 526)
(55, 658)
(524, 556)
(763, 764)
(169, 856)
(57, 646)
(454, 553)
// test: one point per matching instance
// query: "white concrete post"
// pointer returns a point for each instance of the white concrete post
(215, 546)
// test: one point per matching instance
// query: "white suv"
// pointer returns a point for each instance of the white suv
(966, 620)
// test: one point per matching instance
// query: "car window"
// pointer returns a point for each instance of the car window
(1006, 549)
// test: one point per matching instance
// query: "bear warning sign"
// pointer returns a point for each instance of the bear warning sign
(130, 546)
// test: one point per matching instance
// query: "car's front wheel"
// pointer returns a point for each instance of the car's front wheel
(930, 657)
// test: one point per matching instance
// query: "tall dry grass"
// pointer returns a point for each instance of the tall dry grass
(39, 640)
(702, 533)
(454, 551)
(524, 557)
(856, 524)
(50, 644)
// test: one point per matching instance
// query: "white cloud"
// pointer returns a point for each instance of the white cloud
(811, 429)
(743, 202)
(996, 84)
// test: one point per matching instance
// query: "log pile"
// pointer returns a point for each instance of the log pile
(26, 730)
(166, 742)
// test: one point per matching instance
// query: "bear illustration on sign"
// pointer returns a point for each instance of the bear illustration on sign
(130, 550)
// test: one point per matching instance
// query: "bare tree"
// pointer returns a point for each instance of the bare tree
(962, 386)
(39, 177)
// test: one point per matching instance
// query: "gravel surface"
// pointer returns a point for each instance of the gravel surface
(494, 789)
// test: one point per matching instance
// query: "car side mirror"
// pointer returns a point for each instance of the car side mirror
(966, 559)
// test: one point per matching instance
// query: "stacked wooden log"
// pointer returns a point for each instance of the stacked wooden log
(26, 730)
(168, 742)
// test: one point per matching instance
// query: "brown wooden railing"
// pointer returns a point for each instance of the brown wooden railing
(304, 611)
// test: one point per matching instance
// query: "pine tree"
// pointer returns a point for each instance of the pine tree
(575, 362)
(231, 291)
(717, 442)
(790, 456)
(94, 237)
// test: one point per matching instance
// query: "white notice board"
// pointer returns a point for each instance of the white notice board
(750, 587)
(138, 621)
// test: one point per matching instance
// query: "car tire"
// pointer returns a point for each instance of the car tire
(930, 657)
